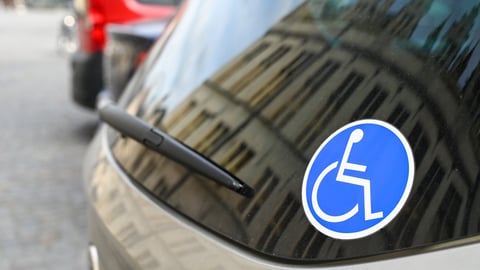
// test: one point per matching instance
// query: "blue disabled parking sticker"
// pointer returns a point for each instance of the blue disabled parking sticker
(358, 180)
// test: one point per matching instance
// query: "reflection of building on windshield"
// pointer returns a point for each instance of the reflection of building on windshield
(450, 42)
(264, 114)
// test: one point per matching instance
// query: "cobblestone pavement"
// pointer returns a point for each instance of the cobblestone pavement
(43, 138)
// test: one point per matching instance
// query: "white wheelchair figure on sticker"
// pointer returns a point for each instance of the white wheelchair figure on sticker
(355, 137)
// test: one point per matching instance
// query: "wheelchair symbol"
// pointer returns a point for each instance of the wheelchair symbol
(355, 137)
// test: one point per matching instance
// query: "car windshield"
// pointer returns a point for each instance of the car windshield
(257, 87)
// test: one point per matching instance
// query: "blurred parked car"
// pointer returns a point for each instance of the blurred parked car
(47, 3)
(67, 34)
(92, 18)
(318, 135)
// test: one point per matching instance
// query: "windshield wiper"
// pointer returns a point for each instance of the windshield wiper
(162, 143)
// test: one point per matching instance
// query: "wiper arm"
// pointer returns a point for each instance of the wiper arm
(162, 143)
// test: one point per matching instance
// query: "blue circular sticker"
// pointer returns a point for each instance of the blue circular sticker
(358, 180)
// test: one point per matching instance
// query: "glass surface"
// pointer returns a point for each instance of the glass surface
(292, 83)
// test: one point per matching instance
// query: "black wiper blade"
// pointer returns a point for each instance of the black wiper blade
(162, 143)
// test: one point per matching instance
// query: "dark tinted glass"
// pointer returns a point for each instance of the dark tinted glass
(262, 115)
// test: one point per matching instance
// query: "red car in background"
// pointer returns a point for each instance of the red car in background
(92, 17)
